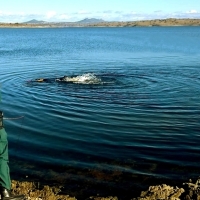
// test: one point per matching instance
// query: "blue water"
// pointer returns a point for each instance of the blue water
(138, 125)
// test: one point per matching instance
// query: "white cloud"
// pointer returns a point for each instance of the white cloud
(50, 14)
(192, 12)
(157, 11)
(2, 13)
(64, 17)
(107, 15)
(106, 11)
(83, 12)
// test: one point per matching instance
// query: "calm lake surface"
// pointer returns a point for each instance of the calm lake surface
(139, 124)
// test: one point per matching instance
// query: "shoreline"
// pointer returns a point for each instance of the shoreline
(97, 181)
(33, 190)
(171, 22)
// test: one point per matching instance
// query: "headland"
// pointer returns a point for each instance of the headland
(143, 23)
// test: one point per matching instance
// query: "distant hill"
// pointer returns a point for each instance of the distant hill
(34, 21)
(84, 21)
(90, 20)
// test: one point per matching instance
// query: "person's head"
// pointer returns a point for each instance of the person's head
(39, 80)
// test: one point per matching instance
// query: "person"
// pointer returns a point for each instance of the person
(42, 80)
(49, 80)
(5, 182)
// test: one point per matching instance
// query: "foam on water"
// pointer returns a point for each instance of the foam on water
(88, 78)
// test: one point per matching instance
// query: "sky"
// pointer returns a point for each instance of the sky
(13, 11)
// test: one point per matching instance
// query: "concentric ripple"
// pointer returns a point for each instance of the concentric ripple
(128, 109)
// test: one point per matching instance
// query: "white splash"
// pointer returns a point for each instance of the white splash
(88, 78)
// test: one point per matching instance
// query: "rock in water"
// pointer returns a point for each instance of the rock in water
(163, 191)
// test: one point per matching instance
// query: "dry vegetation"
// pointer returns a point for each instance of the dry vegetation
(191, 191)
(157, 22)
(33, 192)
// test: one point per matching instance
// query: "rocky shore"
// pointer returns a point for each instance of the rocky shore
(143, 23)
(150, 23)
(33, 191)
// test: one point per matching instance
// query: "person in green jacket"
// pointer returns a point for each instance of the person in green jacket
(5, 183)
